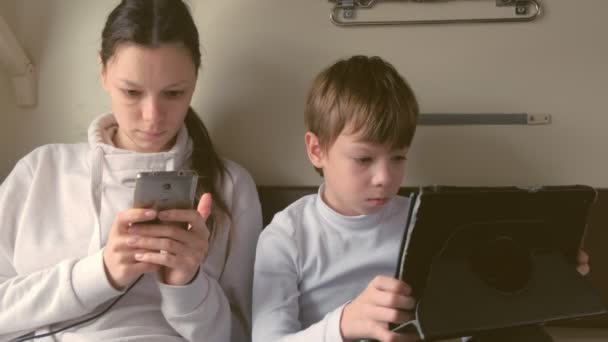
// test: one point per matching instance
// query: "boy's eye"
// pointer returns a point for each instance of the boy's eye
(174, 93)
(363, 160)
(399, 159)
(131, 92)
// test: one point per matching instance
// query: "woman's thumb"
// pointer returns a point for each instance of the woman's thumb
(204, 205)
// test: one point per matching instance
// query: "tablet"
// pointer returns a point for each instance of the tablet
(486, 258)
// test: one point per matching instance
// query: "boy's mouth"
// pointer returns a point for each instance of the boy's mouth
(378, 201)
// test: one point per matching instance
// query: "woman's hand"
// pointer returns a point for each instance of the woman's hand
(180, 251)
(118, 256)
(385, 300)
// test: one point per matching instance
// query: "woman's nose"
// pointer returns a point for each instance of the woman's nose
(151, 110)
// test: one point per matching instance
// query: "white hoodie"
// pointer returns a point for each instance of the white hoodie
(56, 209)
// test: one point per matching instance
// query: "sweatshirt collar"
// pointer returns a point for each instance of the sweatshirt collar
(359, 222)
(101, 132)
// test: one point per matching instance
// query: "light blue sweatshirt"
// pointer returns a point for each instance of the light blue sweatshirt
(311, 261)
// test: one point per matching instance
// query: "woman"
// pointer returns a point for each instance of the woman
(70, 255)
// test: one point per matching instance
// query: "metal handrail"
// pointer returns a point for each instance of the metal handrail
(360, 4)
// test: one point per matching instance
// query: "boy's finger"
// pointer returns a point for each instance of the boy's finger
(389, 315)
(384, 283)
(583, 257)
(392, 300)
(583, 269)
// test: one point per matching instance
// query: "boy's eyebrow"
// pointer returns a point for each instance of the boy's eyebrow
(367, 147)
(368, 144)
(371, 146)
(363, 145)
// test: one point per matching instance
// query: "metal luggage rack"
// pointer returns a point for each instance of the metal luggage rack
(344, 13)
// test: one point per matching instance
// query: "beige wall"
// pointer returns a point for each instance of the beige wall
(261, 56)
(7, 107)
(62, 38)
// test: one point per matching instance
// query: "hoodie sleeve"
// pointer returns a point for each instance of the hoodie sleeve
(65, 291)
(198, 311)
(223, 307)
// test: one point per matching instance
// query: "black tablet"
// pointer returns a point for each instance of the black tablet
(486, 258)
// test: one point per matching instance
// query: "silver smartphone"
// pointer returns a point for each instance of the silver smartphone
(164, 190)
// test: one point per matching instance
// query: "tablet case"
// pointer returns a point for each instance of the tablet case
(486, 258)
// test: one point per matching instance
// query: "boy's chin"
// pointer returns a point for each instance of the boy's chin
(370, 209)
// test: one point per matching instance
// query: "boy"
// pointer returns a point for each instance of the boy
(324, 265)
(314, 260)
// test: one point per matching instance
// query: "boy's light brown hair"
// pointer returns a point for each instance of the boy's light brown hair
(368, 95)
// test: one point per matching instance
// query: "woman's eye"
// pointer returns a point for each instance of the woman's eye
(131, 92)
(174, 93)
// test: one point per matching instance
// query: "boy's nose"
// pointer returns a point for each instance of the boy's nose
(382, 175)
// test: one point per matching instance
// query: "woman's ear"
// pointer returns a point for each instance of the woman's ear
(315, 152)
(103, 75)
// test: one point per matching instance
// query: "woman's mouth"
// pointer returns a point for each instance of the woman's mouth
(151, 135)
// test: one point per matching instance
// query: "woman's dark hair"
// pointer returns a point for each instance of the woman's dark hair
(151, 23)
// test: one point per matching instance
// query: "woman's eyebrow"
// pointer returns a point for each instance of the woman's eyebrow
(177, 83)
(135, 84)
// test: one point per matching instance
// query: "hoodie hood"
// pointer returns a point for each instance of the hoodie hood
(113, 171)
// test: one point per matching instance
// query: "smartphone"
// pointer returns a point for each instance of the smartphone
(164, 190)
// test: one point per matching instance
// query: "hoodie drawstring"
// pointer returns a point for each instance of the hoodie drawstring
(95, 191)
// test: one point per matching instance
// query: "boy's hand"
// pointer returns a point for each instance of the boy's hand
(385, 300)
(582, 262)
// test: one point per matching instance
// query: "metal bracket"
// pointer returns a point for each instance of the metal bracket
(521, 7)
(348, 8)
(344, 13)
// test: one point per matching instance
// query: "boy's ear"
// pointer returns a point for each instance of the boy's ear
(313, 149)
